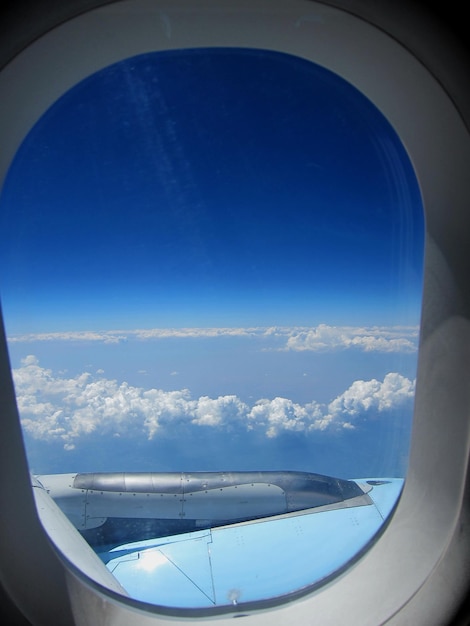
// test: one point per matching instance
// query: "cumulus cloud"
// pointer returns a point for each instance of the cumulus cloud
(367, 339)
(369, 395)
(224, 410)
(55, 408)
(280, 414)
(317, 338)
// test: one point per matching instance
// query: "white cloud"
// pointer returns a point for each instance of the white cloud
(167, 333)
(372, 395)
(225, 410)
(116, 336)
(104, 337)
(318, 338)
(55, 408)
(367, 339)
(281, 414)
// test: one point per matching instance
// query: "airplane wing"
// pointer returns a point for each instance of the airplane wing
(222, 538)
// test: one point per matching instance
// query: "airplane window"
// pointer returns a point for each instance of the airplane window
(211, 266)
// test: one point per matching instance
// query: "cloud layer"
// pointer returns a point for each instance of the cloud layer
(317, 338)
(367, 339)
(55, 408)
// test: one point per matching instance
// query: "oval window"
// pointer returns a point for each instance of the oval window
(211, 277)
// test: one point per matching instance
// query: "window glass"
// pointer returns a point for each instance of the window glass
(211, 261)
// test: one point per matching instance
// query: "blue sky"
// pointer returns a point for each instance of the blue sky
(212, 258)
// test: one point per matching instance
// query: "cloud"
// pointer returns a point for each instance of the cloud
(225, 410)
(317, 338)
(55, 408)
(117, 336)
(372, 395)
(281, 414)
(85, 335)
(195, 333)
(366, 339)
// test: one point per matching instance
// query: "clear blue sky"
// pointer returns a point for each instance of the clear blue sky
(210, 187)
(213, 189)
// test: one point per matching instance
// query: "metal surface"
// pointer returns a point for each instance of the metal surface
(250, 561)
